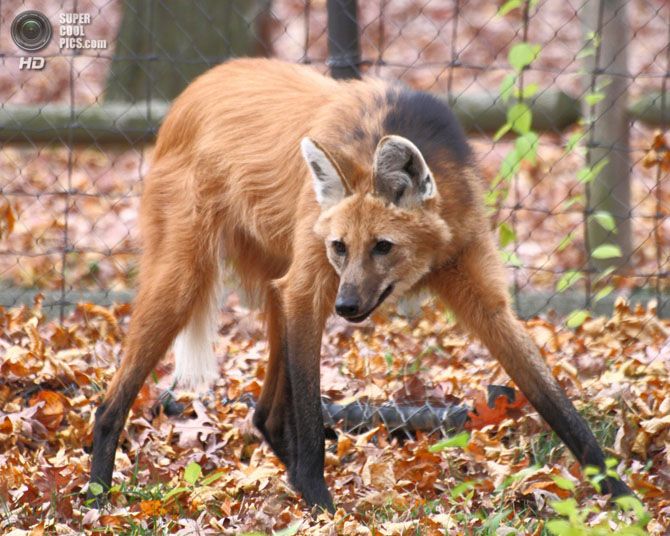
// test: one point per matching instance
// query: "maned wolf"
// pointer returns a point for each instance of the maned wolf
(320, 194)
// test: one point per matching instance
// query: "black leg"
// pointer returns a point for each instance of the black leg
(306, 473)
(110, 419)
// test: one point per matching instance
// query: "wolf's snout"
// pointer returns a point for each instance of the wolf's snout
(348, 302)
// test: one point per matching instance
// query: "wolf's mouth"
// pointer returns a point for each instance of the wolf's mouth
(360, 318)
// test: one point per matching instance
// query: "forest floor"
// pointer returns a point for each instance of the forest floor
(207, 471)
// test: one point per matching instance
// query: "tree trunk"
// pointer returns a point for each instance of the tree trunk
(162, 46)
(608, 68)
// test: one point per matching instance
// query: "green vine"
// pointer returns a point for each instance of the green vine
(519, 121)
(578, 143)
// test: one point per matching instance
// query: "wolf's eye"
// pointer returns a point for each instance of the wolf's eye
(382, 247)
(339, 248)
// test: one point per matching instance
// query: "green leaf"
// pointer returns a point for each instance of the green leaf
(563, 482)
(588, 173)
(561, 527)
(522, 54)
(585, 53)
(604, 292)
(605, 220)
(628, 503)
(506, 234)
(509, 6)
(526, 146)
(603, 82)
(593, 37)
(461, 488)
(457, 441)
(591, 470)
(606, 251)
(95, 489)
(192, 472)
(576, 318)
(511, 259)
(494, 194)
(288, 531)
(502, 131)
(566, 507)
(568, 279)
(605, 273)
(174, 492)
(525, 473)
(507, 87)
(594, 98)
(573, 140)
(526, 92)
(567, 240)
(211, 478)
(494, 521)
(632, 531)
(596, 480)
(573, 201)
(520, 118)
(510, 165)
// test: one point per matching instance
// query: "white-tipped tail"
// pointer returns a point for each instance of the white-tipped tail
(196, 365)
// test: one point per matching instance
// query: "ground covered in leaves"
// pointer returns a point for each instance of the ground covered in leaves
(207, 472)
(68, 214)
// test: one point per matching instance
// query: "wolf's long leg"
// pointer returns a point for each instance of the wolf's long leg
(474, 287)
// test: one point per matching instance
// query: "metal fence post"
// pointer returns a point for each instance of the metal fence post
(606, 26)
(344, 51)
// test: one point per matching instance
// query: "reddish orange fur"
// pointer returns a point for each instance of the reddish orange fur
(228, 182)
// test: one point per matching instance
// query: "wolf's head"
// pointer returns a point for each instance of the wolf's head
(381, 241)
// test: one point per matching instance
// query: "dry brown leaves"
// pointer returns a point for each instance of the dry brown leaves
(52, 377)
(416, 43)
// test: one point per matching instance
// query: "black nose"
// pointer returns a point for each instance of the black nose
(347, 303)
(346, 309)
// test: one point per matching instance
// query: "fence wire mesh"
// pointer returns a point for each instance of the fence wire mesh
(77, 135)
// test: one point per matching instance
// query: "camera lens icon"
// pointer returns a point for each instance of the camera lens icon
(31, 31)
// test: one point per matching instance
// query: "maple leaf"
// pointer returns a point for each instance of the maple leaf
(486, 413)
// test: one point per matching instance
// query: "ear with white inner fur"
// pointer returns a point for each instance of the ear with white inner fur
(400, 174)
(327, 180)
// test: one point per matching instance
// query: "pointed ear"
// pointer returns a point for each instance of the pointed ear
(400, 174)
(327, 180)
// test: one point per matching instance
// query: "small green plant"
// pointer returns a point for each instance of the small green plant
(163, 496)
(459, 440)
(192, 478)
(574, 519)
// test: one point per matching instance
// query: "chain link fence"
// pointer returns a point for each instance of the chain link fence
(578, 195)
(577, 192)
